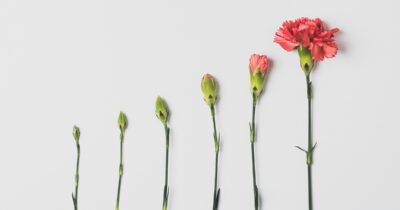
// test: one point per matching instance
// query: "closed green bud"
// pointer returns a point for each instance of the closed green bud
(76, 133)
(306, 61)
(122, 121)
(161, 110)
(209, 89)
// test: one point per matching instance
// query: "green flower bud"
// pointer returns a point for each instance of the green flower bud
(161, 110)
(122, 121)
(76, 133)
(209, 88)
(306, 61)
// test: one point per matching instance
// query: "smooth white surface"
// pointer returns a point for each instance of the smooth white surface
(82, 61)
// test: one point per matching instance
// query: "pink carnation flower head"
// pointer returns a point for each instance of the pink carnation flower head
(310, 34)
(258, 66)
(258, 63)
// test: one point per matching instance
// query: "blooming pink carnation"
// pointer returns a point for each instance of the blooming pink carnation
(258, 62)
(309, 33)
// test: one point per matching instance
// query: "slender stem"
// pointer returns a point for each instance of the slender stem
(216, 145)
(166, 153)
(310, 203)
(75, 198)
(216, 180)
(252, 136)
(253, 166)
(121, 168)
(310, 146)
(165, 195)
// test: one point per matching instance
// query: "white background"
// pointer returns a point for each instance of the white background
(82, 61)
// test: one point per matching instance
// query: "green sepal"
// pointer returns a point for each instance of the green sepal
(257, 82)
(306, 61)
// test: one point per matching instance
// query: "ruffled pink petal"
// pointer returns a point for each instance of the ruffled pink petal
(316, 52)
(285, 40)
(309, 33)
(330, 50)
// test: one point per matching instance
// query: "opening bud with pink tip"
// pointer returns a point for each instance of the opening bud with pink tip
(209, 88)
(258, 69)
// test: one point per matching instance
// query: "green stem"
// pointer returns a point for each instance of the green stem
(310, 203)
(216, 146)
(252, 139)
(121, 168)
(310, 144)
(165, 195)
(75, 197)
